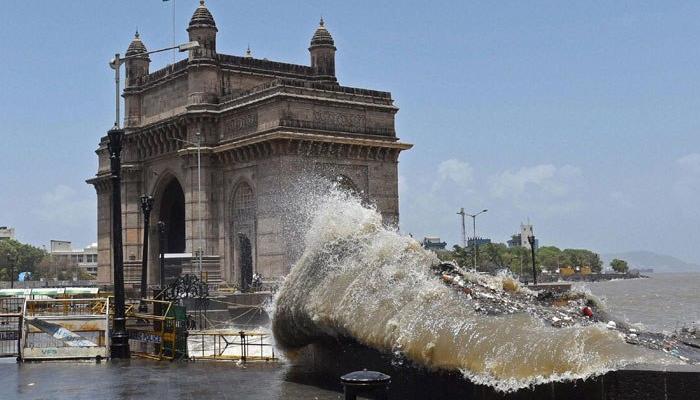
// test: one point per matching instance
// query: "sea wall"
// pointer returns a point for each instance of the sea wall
(323, 362)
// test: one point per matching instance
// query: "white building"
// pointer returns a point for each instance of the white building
(62, 253)
(520, 239)
(7, 233)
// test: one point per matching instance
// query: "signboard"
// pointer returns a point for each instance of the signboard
(143, 336)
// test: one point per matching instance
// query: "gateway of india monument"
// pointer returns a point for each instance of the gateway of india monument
(261, 127)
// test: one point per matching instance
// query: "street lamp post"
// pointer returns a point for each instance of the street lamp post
(161, 239)
(11, 264)
(473, 216)
(120, 339)
(531, 240)
(117, 61)
(12, 273)
(199, 197)
(146, 207)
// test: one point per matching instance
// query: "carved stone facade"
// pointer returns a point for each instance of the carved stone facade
(263, 125)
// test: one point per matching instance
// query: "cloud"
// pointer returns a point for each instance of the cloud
(687, 183)
(543, 178)
(546, 188)
(621, 199)
(63, 206)
(454, 172)
(690, 163)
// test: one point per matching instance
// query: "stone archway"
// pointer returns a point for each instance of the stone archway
(172, 212)
(245, 260)
(242, 234)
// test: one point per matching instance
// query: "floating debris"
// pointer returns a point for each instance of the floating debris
(558, 309)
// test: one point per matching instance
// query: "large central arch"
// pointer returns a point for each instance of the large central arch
(172, 212)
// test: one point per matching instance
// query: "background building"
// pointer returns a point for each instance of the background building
(264, 127)
(520, 239)
(63, 256)
(7, 233)
(479, 241)
(433, 243)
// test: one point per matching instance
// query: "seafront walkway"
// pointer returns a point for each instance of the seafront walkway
(148, 379)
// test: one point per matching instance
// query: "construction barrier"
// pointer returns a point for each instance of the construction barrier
(226, 344)
(10, 326)
(158, 330)
(65, 329)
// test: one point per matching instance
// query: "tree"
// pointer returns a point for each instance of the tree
(23, 258)
(580, 258)
(549, 257)
(619, 266)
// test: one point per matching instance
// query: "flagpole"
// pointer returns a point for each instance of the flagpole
(173, 31)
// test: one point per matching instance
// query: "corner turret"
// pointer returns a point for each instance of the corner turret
(203, 29)
(137, 61)
(322, 51)
(136, 66)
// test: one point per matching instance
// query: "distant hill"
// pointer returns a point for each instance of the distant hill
(648, 259)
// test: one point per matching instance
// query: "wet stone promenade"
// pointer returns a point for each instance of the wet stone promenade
(145, 379)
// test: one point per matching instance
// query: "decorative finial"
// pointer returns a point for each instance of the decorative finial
(321, 22)
(248, 53)
(201, 3)
(136, 35)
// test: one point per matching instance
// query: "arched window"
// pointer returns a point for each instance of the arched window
(243, 234)
(243, 204)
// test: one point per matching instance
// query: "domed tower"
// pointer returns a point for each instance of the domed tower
(322, 51)
(137, 62)
(202, 28)
(203, 71)
(136, 66)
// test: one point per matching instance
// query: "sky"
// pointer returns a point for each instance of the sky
(582, 117)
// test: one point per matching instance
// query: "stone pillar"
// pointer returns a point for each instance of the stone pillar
(209, 224)
(104, 231)
(384, 189)
(132, 223)
(271, 246)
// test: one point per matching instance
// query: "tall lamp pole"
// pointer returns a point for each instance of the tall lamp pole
(199, 196)
(146, 207)
(161, 239)
(531, 240)
(473, 216)
(120, 339)
(11, 264)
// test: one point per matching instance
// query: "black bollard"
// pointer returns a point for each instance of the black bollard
(366, 382)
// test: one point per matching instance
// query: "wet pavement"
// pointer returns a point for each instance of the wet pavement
(145, 379)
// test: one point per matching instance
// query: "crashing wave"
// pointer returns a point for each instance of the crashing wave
(359, 279)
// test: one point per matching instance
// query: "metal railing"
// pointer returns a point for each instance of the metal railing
(65, 328)
(10, 326)
(232, 345)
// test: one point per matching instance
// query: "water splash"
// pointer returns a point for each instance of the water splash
(357, 278)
